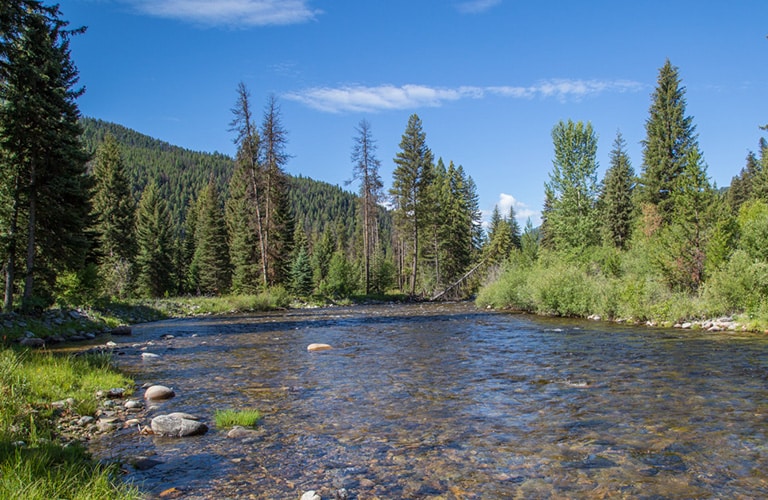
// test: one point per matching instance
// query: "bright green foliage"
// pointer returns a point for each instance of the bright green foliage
(114, 213)
(572, 218)
(617, 208)
(411, 179)
(341, 281)
(154, 267)
(530, 242)
(211, 257)
(230, 418)
(670, 137)
(500, 238)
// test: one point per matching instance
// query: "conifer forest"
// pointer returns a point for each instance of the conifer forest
(103, 212)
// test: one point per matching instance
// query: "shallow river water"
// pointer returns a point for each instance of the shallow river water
(445, 401)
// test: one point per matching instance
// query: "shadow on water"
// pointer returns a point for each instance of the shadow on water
(444, 401)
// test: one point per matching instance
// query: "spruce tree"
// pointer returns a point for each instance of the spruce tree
(154, 266)
(616, 197)
(211, 257)
(670, 137)
(114, 212)
(411, 178)
(42, 162)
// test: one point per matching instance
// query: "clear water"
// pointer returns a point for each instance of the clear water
(445, 401)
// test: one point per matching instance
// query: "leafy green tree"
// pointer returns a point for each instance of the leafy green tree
(341, 282)
(211, 257)
(670, 137)
(42, 163)
(616, 197)
(154, 267)
(366, 172)
(573, 185)
(411, 178)
(114, 214)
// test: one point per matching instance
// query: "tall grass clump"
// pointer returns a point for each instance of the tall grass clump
(230, 418)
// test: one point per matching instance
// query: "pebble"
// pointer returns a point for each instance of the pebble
(158, 392)
(318, 347)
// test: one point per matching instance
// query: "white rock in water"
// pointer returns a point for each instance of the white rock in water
(178, 425)
(158, 392)
(318, 347)
(149, 355)
(311, 495)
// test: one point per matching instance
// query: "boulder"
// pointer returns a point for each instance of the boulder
(158, 392)
(318, 347)
(310, 495)
(32, 342)
(149, 355)
(178, 425)
(121, 330)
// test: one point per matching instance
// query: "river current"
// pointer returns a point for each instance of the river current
(443, 401)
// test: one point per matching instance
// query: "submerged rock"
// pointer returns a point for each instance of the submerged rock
(310, 495)
(32, 342)
(178, 425)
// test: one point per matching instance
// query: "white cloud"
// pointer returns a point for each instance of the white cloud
(359, 98)
(522, 211)
(230, 12)
(476, 6)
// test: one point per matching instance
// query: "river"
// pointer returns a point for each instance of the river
(444, 401)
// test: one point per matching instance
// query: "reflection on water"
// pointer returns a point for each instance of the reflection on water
(443, 401)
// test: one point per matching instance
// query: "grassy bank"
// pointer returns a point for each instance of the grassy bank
(35, 462)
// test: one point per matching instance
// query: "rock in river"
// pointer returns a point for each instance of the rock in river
(158, 392)
(178, 425)
(318, 347)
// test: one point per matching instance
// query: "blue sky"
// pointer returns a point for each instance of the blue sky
(488, 78)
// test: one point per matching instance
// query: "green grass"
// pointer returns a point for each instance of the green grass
(231, 418)
(40, 468)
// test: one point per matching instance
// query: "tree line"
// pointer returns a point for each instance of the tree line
(95, 207)
(661, 244)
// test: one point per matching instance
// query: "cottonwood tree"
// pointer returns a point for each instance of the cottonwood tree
(573, 186)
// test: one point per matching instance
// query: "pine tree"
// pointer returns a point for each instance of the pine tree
(114, 213)
(301, 268)
(530, 242)
(278, 225)
(670, 137)
(514, 228)
(573, 186)
(244, 246)
(616, 197)
(500, 239)
(248, 200)
(366, 171)
(154, 267)
(411, 178)
(42, 163)
(211, 257)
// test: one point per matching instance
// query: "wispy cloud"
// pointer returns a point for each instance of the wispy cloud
(476, 6)
(358, 98)
(522, 211)
(243, 13)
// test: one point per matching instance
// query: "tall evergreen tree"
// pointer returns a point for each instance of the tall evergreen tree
(278, 222)
(114, 213)
(573, 186)
(616, 196)
(241, 219)
(411, 178)
(366, 172)
(154, 267)
(211, 257)
(249, 199)
(670, 137)
(42, 163)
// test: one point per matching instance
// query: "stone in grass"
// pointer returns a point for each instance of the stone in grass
(318, 347)
(158, 392)
(178, 425)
